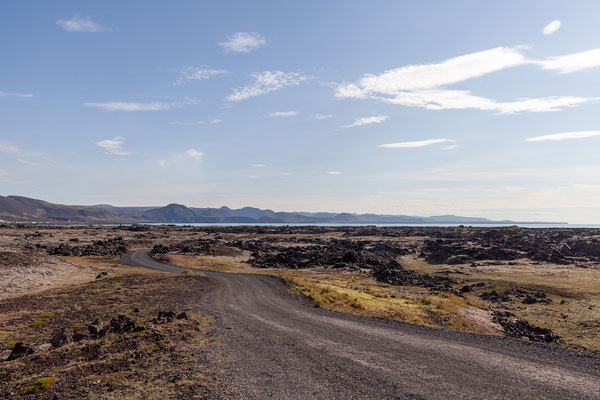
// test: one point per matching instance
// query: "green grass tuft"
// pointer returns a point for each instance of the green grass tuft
(39, 385)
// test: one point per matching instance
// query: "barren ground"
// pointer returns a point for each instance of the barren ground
(456, 279)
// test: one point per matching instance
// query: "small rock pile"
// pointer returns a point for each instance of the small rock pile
(394, 273)
(519, 328)
(526, 297)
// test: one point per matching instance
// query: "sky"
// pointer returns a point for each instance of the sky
(471, 108)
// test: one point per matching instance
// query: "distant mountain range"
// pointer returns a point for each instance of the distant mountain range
(23, 209)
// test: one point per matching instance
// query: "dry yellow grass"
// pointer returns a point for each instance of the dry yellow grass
(360, 294)
(576, 321)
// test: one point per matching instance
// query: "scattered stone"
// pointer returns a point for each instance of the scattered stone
(183, 315)
(77, 337)
(62, 337)
(166, 315)
(95, 328)
(494, 296)
(19, 350)
(102, 274)
(466, 289)
(122, 324)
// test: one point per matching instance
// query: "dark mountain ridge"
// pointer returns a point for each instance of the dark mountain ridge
(24, 209)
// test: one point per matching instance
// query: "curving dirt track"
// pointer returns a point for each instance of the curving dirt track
(283, 348)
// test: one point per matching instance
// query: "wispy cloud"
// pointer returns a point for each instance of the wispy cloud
(114, 146)
(551, 27)
(283, 114)
(28, 162)
(564, 136)
(134, 106)
(197, 74)
(572, 62)
(334, 173)
(81, 24)
(216, 121)
(424, 85)
(129, 106)
(450, 147)
(267, 82)
(9, 147)
(180, 123)
(376, 119)
(421, 143)
(195, 154)
(321, 116)
(6, 94)
(453, 70)
(243, 42)
(258, 165)
(162, 163)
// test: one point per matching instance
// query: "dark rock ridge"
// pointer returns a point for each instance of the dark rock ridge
(110, 247)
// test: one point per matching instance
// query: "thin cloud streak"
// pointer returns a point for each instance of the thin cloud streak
(197, 74)
(321, 116)
(421, 143)
(283, 114)
(81, 24)
(127, 106)
(572, 62)
(135, 106)
(267, 82)
(424, 85)
(9, 148)
(564, 136)
(113, 146)
(376, 119)
(6, 94)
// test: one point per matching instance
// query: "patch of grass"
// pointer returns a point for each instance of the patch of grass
(77, 327)
(39, 385)
(37, 323)
(46, 315)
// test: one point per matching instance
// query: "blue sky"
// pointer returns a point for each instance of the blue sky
(421, 108)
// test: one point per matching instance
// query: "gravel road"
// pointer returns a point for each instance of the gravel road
(280, 347)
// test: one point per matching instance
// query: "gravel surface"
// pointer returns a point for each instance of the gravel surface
(281, 347)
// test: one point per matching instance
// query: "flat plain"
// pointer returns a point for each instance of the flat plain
(262, 302)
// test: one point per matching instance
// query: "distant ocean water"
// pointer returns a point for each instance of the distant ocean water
(385, 225)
